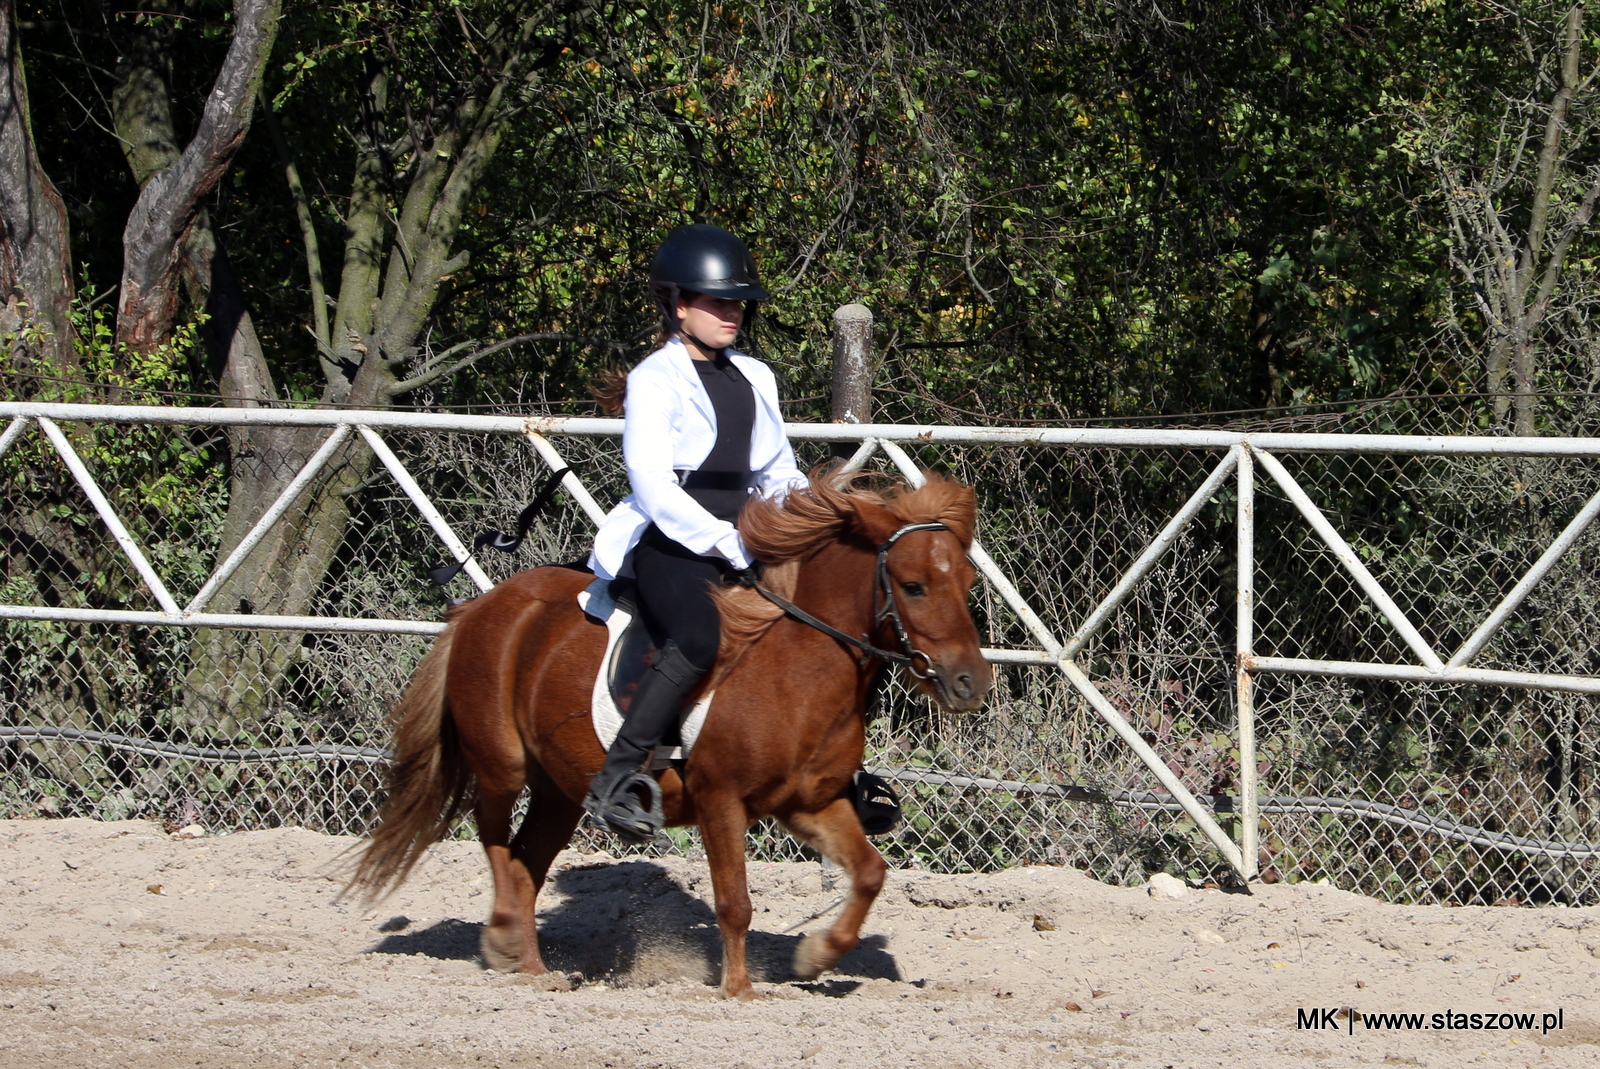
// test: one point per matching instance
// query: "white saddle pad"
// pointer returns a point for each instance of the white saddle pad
(596, 601)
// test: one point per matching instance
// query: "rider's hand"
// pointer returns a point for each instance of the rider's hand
(745, 576)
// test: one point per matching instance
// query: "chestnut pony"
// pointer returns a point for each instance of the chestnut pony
(501, 702)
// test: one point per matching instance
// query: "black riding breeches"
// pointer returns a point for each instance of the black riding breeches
(674, 594)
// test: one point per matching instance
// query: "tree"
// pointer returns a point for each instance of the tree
(1519, 195)
(35, 270)
(165, 236)
(420, 151)
(1096, 212)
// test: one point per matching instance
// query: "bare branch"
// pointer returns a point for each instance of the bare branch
(966, 260)
(805, 265)
(1549, 153)
(1551, 275)
(437, 373)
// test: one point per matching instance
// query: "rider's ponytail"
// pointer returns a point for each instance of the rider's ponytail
(610, 390)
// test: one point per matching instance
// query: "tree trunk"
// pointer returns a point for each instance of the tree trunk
(1541, 260)
(234, 674)
(170, 198)
(224, 689)
(35, 256)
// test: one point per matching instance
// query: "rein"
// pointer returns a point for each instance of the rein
(884, 607)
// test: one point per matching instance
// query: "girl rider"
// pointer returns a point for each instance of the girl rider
(702, 433)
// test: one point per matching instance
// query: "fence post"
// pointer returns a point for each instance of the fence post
(1245, 684)
(852, 370)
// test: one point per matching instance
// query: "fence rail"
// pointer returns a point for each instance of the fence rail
(1231, 606)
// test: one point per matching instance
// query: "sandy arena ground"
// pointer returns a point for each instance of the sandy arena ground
(123, 947)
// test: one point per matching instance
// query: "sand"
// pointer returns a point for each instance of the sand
(123, 946)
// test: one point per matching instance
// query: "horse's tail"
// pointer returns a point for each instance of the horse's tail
(430, 781)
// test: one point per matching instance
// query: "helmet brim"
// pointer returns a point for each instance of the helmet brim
(729, 290)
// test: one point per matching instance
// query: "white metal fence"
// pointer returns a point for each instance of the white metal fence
(1286, 655)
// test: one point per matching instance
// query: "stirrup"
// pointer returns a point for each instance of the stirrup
(876, 803)
(620, 810)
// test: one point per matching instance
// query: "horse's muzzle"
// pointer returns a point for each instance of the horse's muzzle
(961, 690)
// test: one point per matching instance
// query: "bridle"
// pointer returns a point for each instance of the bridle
(884, 607)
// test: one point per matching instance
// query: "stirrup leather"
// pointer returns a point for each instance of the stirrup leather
(619, 807)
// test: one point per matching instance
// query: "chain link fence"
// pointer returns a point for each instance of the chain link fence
(1410, 791)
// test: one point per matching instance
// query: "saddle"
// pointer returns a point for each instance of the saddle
(631, 656)
(630, 652)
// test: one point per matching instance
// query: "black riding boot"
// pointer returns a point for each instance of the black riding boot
(625, 798)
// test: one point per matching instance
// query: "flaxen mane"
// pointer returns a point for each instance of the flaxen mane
(782, 536)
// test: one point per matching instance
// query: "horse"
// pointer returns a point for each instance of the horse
(501, 703)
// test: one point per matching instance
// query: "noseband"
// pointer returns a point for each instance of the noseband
(884, 607)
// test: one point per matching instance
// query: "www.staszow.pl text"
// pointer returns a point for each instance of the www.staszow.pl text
(1346, 1019)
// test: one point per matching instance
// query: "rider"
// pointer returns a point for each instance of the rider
(702, 433)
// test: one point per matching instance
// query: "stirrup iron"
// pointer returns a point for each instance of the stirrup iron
(876, 803)
(620, 810)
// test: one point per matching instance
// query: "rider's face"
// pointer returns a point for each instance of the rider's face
(711, 321)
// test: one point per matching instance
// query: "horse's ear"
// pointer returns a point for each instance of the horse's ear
(873, 521)
(960, 511)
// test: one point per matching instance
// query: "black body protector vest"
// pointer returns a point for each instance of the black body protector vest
(723, 481)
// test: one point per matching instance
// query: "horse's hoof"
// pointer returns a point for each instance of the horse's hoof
(744, 994)
(552, 980)
(502, 952)
(812, 957)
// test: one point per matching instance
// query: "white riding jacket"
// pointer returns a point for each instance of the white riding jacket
(671, 427)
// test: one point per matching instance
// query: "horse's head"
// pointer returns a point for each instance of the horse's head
(922, 583)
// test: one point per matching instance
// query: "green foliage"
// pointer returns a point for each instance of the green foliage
(166, 487)
(1053, 212)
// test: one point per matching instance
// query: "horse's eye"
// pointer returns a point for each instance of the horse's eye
(913, 589)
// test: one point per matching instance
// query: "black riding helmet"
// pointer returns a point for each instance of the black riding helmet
(701, 258)
(707, 259)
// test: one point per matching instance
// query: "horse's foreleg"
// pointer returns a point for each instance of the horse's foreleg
(545, 831)
(836, 834)
(723, 824)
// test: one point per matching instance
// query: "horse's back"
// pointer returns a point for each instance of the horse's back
(524, 599)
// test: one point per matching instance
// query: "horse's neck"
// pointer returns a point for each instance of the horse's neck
(836, 585)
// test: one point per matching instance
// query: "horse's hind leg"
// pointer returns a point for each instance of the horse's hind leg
(510, 941)
(502, 938)
(546, 829)
(836, 833)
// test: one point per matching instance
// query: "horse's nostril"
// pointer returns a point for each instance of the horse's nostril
(962, 685)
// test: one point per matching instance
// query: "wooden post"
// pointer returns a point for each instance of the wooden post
(852, 370)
